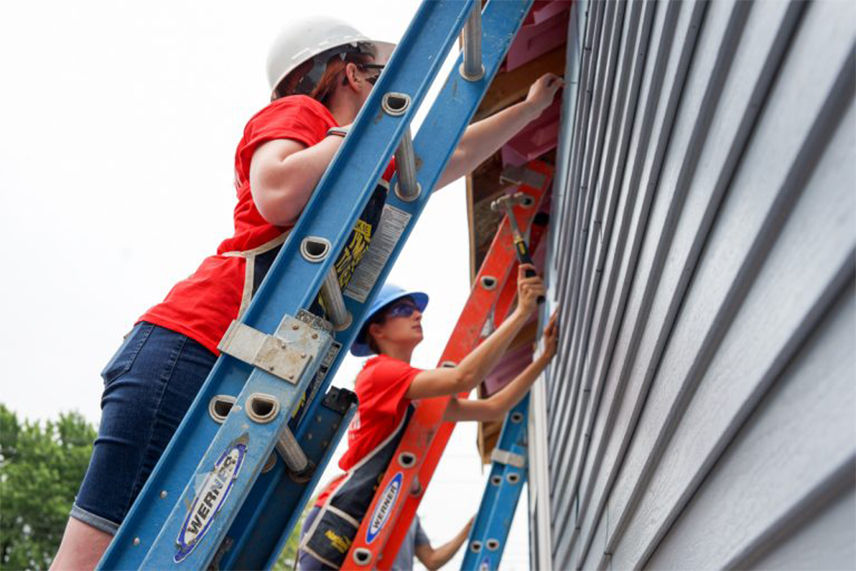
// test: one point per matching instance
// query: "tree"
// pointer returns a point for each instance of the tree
(41, 467)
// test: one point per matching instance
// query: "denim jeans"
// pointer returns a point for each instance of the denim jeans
(148, 386)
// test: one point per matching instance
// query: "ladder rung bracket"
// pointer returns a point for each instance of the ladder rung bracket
(267, 352)
(508, 458)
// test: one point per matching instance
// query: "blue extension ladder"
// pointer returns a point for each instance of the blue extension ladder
(508, 472)
(220, 496)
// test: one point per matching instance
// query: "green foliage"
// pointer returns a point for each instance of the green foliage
(288, 555)
(41, 467)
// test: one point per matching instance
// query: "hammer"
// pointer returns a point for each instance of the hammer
(506, 202)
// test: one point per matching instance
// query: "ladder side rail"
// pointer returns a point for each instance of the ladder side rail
(347, 172)
(444, 431)
(488, 535)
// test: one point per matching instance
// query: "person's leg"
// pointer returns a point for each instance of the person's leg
(81, 548)
(149, 385)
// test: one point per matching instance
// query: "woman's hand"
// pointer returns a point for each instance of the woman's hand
(551, 336)
(541, 93)
(528, 290)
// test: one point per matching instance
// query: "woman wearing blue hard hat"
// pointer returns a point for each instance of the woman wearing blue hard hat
(386, 388)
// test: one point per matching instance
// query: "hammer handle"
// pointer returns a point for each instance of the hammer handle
(522, 251)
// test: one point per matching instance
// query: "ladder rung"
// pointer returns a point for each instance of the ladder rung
(334, 303)
(407, 188)
(292, 453)
(472, 68)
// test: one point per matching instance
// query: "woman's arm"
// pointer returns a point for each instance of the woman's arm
(283, 174)
(495, 407)
(436, 558)
(479, 362)
(484, 138)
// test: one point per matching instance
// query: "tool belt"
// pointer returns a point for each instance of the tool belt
(332, 532)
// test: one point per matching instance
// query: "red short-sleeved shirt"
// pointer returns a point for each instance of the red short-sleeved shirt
(380, 388)
(203, 305)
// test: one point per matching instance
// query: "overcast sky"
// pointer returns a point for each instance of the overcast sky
(119, 122)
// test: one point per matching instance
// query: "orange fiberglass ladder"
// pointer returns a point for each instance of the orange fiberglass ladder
(391, 512)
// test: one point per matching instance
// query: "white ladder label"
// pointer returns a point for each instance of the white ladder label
(392, 223)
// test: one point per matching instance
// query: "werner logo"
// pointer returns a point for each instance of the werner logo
(384, 507)
(210, 497)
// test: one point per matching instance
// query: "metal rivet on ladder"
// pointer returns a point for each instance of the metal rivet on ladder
(334, 303)
(492, 544)
(407, 188)
(472, 68)
(219, 407)
(406, 459)
(448, 364)
(136, 541)
(516, 417)
(395, 104)
(513, 478)
(315, 248)
(488, 282)
(496, 480)
(163, 494)
(262, 408)
(526, 201)
(362, 555)
(475, 546)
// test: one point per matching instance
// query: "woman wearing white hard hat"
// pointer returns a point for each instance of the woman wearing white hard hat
(321, 71)
(387, 389)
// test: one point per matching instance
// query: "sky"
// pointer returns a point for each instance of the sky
(118, 126)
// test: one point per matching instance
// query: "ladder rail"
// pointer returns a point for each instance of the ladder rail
(504, 486)
(358, 164)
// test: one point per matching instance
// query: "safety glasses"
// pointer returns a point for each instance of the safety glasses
(403, 308)
(367, 66)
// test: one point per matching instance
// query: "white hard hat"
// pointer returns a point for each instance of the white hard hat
(316, 39)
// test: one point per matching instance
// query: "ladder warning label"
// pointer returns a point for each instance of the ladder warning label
(393, 222)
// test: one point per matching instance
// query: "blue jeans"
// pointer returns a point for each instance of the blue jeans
(148, 386)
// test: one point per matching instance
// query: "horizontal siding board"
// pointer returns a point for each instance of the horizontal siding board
(592, 145)
(688, 21)
(614, 122)
(806, 257)
(665, 20)
(613, 237)
(779, 457)
(746, 230)
(704, 250)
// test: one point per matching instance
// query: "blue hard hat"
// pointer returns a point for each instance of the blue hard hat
(389, 293)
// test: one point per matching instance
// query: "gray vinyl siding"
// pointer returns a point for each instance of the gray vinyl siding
(700, 412)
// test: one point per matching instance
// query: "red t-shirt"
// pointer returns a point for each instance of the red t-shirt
(380, 389)
(203, 305)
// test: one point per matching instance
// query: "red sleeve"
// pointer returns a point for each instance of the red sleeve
(299, 118)
(382, 390)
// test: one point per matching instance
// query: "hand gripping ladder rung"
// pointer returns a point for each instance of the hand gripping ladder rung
(382, 534)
